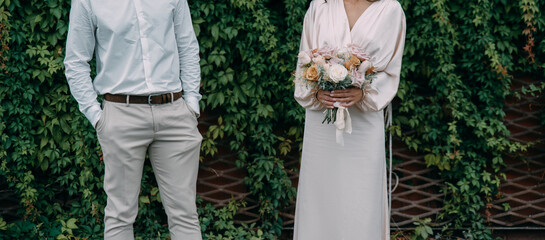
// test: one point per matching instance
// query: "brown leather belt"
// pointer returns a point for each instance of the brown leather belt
(151, 99)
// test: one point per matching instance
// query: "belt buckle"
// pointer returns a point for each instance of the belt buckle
(149, 100)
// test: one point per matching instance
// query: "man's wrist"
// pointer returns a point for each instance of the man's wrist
(193, 103)
(93, 114)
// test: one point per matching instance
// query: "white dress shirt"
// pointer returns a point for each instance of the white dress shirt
(141, 47)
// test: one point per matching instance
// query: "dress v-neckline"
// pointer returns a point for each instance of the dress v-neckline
(357, 20)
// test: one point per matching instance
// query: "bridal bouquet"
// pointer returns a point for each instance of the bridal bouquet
(332, 69)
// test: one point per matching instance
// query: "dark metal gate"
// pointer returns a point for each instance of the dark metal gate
(418, 193)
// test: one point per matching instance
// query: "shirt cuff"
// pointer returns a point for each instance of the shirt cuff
(193, 104)
(93, 114)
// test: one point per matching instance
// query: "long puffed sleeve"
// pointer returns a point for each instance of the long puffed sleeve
(305, 93)
(391, 36)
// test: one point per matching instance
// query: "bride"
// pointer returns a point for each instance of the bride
(342, 188)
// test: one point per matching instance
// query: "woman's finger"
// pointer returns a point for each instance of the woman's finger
(341, 91)
(327, 98)
(347, 97)
(328, 104)
(342, 99)
(349, 104)
(320, 95)
(345, 92)
(337, 95)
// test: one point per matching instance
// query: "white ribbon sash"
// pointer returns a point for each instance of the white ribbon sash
(343, 122)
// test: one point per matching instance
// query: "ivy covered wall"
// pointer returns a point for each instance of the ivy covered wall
(460, 59)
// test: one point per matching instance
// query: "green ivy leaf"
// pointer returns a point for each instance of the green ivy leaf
(71, 223)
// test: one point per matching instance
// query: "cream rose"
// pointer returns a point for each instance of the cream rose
(303, 58)
(320, 61)
(364, 66)
(337, 73)
(326, 67)
(343, 53)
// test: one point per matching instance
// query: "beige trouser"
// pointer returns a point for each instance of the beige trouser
(169, 134)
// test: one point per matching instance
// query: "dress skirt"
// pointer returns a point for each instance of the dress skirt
(342, 189)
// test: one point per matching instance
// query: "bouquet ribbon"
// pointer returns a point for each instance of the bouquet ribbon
(343, 122)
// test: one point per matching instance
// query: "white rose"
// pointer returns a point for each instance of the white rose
(304, 58)
(337, 73)
(343, 53)
(326, 67)
(364, 66)
(320, 61)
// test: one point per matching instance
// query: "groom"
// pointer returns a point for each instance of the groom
(147, 59)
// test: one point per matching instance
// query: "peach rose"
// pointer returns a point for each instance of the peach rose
(352, 62)
(370, 70)
(312, 73)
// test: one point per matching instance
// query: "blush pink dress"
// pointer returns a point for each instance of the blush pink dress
(342, 189)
